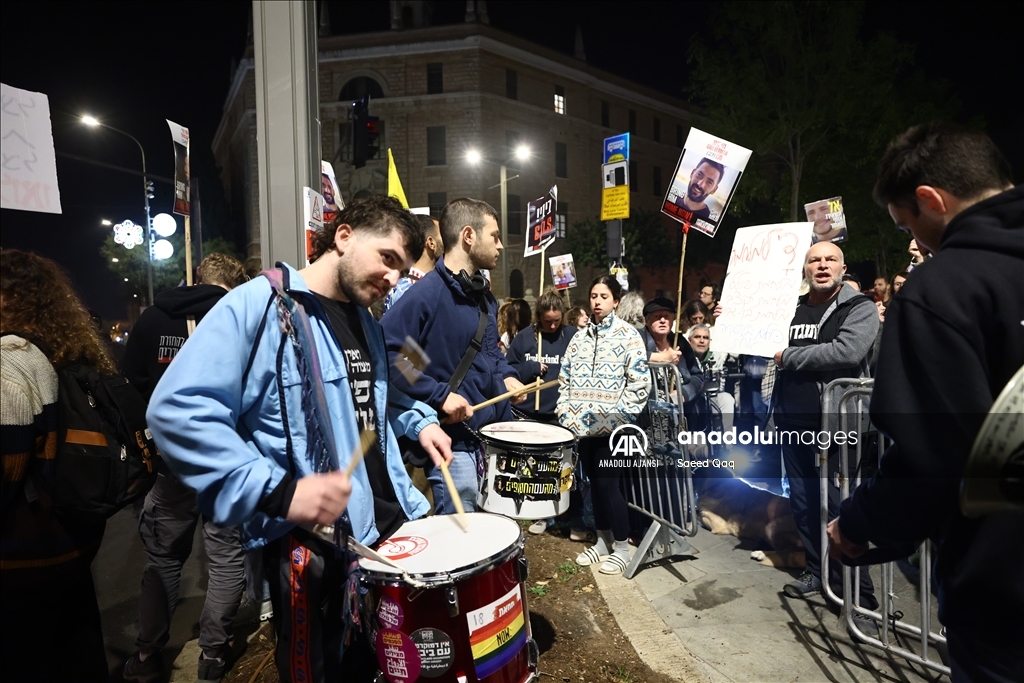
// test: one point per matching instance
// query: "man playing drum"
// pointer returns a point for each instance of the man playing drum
(264, 406)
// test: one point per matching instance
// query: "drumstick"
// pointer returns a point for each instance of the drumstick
(535, 386)
(365, 439)
(454, 492)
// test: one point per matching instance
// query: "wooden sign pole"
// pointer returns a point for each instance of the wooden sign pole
(540, 339)
(679, 296)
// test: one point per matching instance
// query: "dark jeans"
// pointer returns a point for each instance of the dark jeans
(167, 526)
(805, 500)
(610, 510)
(53, 635)
(308, 590)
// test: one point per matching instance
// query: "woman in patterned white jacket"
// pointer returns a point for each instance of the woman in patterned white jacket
(604, 384)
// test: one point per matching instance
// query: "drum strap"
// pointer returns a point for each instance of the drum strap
(475, 345)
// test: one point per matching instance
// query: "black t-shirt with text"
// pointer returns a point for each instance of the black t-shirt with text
(344, 318)
(799, 396)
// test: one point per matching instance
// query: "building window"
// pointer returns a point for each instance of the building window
(359, 87)
(515, 215)
(634, 178)
(435, 146)
(656, 177)
(679, 136)
(511, 84)
(559, 99)
(435, 78)
(436, 202)
(561, 219)
(516, 288)
(561, 160)
(657, 129)
(606, 114)
(632, 121)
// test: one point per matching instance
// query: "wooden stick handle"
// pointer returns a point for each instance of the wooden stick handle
(534, 386)
(454, 493)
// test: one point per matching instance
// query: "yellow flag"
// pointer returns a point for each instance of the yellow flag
(394, 184)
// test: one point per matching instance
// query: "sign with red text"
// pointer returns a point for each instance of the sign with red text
(28, 178)
(540, 222)
(182, 199)
(704, 181)
(761, 287)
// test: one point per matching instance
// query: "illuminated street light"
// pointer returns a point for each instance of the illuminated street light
(164, 224)
(522, 153)
(473, 157)
(162, 249)
(92, 122)
(114, 260)
(105, 222)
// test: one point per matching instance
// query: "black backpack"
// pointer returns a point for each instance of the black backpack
(106, 458)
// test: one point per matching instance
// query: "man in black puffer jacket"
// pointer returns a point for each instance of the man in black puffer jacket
(953, 339)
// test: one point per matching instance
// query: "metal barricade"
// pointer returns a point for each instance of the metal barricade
(663, 493)
(845, 407)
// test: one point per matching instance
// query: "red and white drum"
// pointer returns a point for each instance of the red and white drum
(529, 469)
(470, 623)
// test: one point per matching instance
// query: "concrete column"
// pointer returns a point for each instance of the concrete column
(287, 123)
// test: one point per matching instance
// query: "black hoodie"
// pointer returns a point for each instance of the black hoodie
(161, 330)
(953, 338)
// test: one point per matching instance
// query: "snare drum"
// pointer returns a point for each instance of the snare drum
(529, 469)
(471, 622)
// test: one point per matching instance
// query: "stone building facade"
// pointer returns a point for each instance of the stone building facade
(443, 91)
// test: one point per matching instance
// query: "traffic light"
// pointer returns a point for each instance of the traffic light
(149, 189)
(365, 132)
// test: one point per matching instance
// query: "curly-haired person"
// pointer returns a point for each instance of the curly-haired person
(51, 621)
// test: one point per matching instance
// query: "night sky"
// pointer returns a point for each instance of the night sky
(132, 65)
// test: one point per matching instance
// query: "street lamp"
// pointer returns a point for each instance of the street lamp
(147, 193)
(521, 153)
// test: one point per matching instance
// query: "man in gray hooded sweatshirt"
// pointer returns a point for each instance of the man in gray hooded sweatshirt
(830, 337)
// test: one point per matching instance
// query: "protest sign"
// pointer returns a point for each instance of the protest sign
(762, 284)
(563, 271)
(704, 181)
(313, 211)
(29, 180)
(828, 218)
(540, 222)
(179, 136)
(333, 202)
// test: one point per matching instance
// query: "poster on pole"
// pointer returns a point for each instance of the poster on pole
(333, 202)
(615, 178)
(828, 218)
(29, 179)
(313, 211)
(563, 272)
(762, 284)
(540, 222)
(179, 135)
(704, 181)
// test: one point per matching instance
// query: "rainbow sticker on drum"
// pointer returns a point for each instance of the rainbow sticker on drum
(497, 632)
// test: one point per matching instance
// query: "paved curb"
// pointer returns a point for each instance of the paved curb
(658, 646)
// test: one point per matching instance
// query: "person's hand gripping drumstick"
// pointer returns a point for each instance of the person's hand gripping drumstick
(320, 499)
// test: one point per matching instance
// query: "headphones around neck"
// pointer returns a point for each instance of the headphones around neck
(471, 284)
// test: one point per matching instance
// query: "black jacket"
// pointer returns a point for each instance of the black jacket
(953, 338)
(689, 368)
(161, 330)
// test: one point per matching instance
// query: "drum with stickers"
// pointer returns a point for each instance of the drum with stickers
(529, 469)
(466, 619)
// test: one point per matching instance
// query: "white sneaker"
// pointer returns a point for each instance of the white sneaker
(581, 535)
(538, 527)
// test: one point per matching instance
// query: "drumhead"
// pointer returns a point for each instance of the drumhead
(438, 545)
(526, 433)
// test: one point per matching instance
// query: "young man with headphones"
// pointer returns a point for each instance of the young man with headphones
(452, 315)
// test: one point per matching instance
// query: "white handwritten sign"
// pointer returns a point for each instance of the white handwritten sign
(28, 179)
(761, 288)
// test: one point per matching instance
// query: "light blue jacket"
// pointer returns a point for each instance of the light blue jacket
(231, 443)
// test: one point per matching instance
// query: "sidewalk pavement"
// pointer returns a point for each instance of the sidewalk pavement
(718, 616)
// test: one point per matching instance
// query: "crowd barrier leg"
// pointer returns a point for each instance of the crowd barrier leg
(664, 494)
(848, 400)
